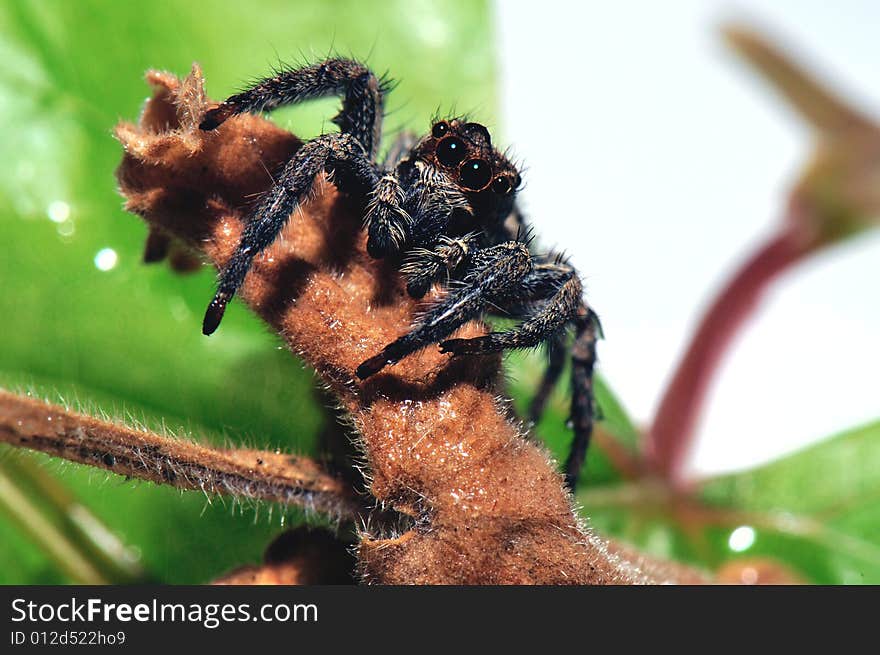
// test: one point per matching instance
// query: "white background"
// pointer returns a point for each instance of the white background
(658, 160)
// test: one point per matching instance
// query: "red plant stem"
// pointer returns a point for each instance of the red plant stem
(673, 430)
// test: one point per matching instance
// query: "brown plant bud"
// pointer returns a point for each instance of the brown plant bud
(484, 505)
(298, 557)
(838, 194)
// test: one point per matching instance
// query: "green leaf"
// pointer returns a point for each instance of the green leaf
(826, 480)
(815, 512)
(825, 497)
(128, 338)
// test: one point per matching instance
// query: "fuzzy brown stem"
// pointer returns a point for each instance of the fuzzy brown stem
(482, 504)
(253, 474)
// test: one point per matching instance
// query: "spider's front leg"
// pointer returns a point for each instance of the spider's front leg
(433, 197)
(496, 270)
(339, 155)
(388, 224)
(347, 156)
(422, 266)
(555, 292)
(362, 97)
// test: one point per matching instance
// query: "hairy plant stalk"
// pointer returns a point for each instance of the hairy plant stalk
(481, 504)
(253, 474)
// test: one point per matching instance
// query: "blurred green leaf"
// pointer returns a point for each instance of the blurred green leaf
(825, 497)
(127, 339)
(828, 480)
(815, 511)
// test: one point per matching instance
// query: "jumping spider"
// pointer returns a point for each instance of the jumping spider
(443, 207)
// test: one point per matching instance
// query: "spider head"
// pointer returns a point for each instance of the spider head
(465, 153)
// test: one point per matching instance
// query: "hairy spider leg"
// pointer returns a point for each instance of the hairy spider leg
(583, 360)
(359, 120)
(556, 293)
(339, 155)
(424, 266)
(583, 357)
(557, 350)
(386, 220)
(501, 268)
(362, 98)
(558, 286)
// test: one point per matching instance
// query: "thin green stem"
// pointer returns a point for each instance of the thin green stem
(55, 541)
(96, 539)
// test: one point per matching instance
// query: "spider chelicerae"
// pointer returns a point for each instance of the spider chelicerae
(444, 208)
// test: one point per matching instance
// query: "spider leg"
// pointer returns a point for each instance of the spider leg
(558, 286)
(501, 268)
(339, 155)
(583, 359)
(361, 114)
(388, 223)
(424, 266)
(557, 349)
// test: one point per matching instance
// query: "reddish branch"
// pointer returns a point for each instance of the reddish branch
(674, 428)
(836, 198)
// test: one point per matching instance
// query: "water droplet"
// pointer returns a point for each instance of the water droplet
(106, 259)
(58, 211)
(741, 539)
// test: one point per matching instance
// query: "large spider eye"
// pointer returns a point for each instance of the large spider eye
(475, 174)
(450, 151)
(439, 129)
(500, 185)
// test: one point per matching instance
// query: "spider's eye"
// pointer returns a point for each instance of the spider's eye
(439, 130)
(475, 174)
(517, 181)
(500, 185)
(450, 151)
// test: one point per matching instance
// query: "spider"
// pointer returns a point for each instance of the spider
(443, 207)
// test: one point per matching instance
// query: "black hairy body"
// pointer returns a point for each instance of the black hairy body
(444, 208)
